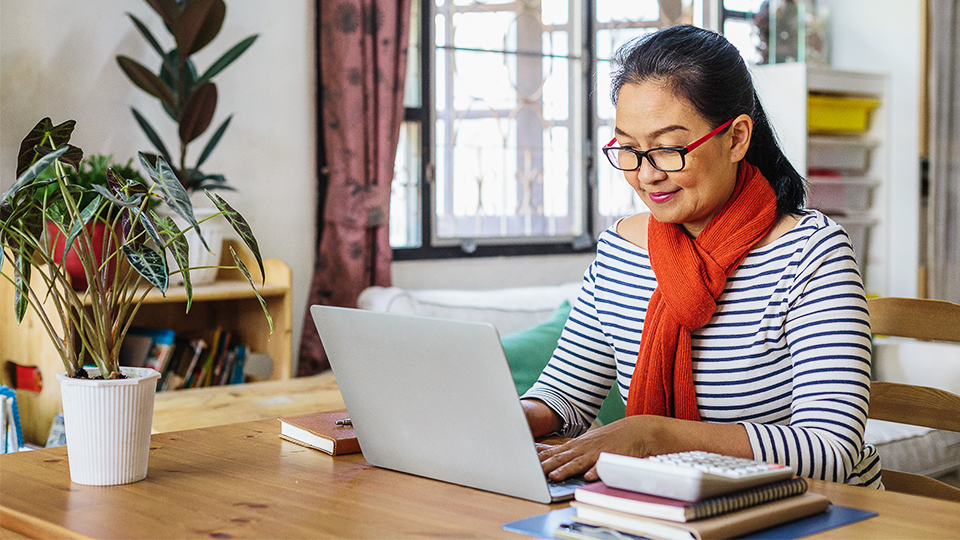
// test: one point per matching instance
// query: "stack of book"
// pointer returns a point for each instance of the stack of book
(601, 509)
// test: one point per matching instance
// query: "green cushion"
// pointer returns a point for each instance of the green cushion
(528, 352)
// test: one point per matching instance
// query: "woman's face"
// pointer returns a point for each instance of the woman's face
(650, 115)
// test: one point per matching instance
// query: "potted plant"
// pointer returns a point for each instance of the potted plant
(87, 326)
(188, 97)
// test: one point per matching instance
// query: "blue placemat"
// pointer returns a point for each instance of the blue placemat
(542, 526)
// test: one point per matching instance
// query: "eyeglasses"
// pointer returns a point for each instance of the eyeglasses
(666, 159)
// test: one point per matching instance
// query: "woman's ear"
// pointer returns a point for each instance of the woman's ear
(740, 132)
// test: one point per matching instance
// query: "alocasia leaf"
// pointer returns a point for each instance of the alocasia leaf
(149, 264)
(243, 270)
(21, 273)
(173, 193)
(174, 240)
(241, 226)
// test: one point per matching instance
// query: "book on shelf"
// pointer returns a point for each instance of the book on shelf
(721, 527)
(147, 347)
(206, 370)
(199, 359)
(161, 348)
(186, 364)
(632, 502)
(320, 432)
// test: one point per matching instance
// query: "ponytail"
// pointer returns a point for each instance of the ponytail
(765, 154)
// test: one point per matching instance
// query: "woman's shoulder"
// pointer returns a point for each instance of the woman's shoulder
(633, 229)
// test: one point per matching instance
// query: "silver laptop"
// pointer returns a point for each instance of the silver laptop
(435, 398)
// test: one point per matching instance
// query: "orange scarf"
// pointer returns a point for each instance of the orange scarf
(691, 274)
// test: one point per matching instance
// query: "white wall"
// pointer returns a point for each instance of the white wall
(490, 272)
(884, 36)
(57, 59)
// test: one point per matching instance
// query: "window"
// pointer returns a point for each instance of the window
(507, 106)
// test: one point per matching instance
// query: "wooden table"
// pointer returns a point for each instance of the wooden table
(219, 405)
(243, 481)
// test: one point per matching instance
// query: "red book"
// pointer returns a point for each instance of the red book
(321, 432)
(632, 502)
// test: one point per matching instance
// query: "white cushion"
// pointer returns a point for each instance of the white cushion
(908, 448)
(508, 309)
(914, 449)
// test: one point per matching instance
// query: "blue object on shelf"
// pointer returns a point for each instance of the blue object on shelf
(13, 435)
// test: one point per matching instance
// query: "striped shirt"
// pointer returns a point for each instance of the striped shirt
(786, 355)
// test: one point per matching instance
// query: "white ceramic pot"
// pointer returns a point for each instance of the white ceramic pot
(107, 423)
(199, 256)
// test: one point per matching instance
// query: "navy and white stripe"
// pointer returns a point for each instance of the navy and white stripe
(787, 354)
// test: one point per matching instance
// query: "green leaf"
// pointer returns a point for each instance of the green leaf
(21, 278)
(246, 274)
(198, 112)
(149, 264)
(228, 57)
(146, 80)
(174, 240)
(148, 225)
(131, 202)
(59, 135)
(32, 172)
(241, 226)
(71, 157)
(147, 35)
(214, 139)
(173, 193)
(151, 134)
(85, 215)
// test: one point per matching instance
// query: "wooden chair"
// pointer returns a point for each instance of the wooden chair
(910, 404)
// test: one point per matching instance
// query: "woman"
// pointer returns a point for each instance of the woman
(731, 320)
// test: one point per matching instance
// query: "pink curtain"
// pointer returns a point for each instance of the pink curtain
(363, 53)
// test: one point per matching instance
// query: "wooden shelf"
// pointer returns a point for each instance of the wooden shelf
(229, 302)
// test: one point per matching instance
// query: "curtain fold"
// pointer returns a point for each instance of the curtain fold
(943, 221)
(363, 46)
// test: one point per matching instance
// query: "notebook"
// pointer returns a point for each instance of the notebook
(435, 398)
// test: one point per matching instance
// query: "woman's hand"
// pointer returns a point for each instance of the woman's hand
(631, 436)
(641, 436)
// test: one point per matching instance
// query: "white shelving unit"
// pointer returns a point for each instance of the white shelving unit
(854, 192)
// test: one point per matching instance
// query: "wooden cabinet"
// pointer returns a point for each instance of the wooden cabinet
(228, 302)
(847, 173)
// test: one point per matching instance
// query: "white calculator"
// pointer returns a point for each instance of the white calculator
(688, 476)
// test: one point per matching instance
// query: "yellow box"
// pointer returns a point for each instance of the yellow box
(836, 114)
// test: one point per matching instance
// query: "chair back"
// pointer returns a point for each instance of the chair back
(911, 404)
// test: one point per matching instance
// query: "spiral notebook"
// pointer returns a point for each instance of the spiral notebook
(632, 502)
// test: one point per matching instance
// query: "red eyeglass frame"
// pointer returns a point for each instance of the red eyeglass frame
(683, 150)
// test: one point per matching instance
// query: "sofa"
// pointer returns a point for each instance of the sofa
(529, 320)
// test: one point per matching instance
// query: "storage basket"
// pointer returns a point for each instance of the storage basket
(839, 114)
(842, 194)
(850, 155)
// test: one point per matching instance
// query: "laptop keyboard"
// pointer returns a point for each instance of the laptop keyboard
(565, 488)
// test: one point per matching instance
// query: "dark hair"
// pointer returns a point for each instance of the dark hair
(708, 71)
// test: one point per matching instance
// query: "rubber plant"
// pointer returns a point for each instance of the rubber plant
(188, 97)
(94, 320)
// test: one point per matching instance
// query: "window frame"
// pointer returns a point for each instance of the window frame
(425, 115)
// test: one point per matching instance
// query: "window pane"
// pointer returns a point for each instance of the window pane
(405, 189)
(635, 10)
(509, 126)
(743, 35)
(411, 90)
(616, 26)
(751, 6)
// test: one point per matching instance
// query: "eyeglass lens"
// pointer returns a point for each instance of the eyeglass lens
(667, 159)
